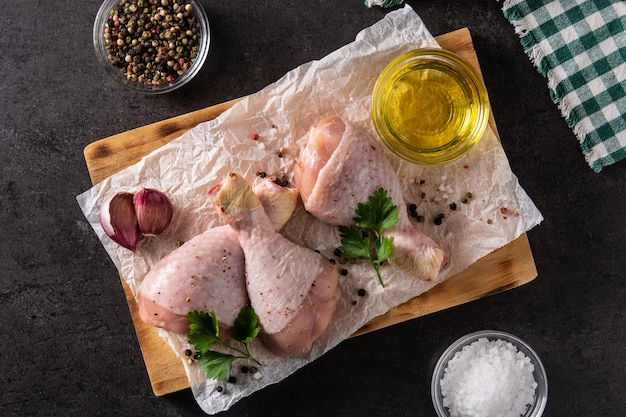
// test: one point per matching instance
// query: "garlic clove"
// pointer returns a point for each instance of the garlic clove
(153, 210)
(118, 220)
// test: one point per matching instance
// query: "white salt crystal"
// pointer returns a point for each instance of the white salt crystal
(488, 378)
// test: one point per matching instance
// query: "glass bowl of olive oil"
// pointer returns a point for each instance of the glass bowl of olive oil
(430, 106)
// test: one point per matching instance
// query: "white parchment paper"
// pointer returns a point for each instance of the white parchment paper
(281, 114)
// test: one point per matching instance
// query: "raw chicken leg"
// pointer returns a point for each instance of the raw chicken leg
(340, 167)
(208, 271)
(292, 289)
(279, 202)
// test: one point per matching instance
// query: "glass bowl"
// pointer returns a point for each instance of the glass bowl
(539, 374)
(181, 44)
(429, 106)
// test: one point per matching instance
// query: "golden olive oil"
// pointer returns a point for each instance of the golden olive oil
(429, 107)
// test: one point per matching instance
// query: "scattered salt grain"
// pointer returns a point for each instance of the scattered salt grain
(488, 378)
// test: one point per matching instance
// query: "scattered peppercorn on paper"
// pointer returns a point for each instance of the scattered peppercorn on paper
(471, 207)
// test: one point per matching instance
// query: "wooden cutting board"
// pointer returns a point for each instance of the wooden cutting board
(503, 269)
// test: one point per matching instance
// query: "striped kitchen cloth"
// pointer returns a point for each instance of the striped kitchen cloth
(580, 47)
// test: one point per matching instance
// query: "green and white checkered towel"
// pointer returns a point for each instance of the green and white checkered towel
(580, 47)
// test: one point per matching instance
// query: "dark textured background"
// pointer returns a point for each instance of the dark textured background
(67, 343)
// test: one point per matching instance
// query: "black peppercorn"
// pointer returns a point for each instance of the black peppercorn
(282, 181)
(156, 34)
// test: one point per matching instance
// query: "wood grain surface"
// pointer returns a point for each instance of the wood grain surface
(503, 269)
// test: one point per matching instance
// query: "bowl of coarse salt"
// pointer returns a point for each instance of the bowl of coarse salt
(489, 374)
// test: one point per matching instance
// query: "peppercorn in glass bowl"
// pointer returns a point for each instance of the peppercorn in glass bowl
(151, 46)
(489, 373)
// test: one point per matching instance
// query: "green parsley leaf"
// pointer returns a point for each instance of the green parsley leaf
(353, 244)
(365, 240)
(383, 250)
(246, 326)
(378, 214)
(203, 330)
(216, 365)
(204, 335)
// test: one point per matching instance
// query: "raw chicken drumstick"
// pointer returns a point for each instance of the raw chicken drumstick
(208, 271)
(205, 273)
(292, 289)
(340, 167)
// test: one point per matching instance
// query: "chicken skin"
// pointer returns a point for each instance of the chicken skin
(205, 273)
(292, 289)
(208, 271)
(342, 166)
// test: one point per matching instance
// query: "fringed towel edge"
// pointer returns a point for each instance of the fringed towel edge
(537, 57)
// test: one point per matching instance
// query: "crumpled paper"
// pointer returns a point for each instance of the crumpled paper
(282, 114)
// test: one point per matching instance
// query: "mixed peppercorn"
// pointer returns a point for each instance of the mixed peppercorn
(152, 42)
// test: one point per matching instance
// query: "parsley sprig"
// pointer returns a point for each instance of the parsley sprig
(365, 239)
(204, 334)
